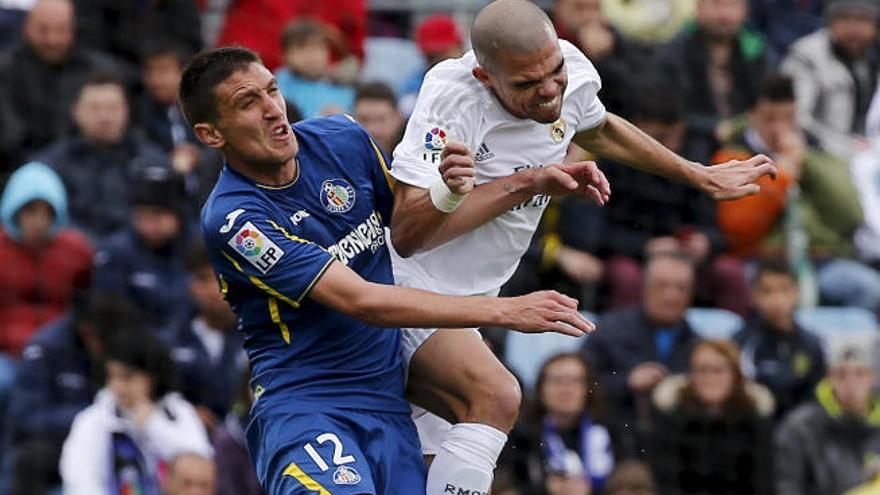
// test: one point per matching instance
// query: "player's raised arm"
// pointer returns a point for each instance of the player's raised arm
(424, 218)
(344, 290)
(621, 141)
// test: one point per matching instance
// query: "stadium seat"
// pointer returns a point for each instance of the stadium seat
(527, 352)
(714, 323)
(390, 60)
(833, 323)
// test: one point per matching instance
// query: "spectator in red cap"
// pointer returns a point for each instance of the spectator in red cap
(438, 38)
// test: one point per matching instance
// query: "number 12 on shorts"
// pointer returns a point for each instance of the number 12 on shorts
(339, 458)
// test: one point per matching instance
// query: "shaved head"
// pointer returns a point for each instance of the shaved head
(49, 30)
(509, 27)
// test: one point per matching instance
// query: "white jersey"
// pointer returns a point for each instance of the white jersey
(454, 106)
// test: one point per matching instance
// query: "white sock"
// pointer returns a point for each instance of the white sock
(465, 462)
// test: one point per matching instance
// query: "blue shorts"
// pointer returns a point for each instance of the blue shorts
(338, 452)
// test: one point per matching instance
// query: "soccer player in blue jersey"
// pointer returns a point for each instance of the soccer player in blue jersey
(295, 231)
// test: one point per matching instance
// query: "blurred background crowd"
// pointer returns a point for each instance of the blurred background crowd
(737, 350)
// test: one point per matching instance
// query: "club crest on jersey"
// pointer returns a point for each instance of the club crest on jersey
(255, 247)
(345, 475)
(557, 131)
(435, 139)
(337, 195)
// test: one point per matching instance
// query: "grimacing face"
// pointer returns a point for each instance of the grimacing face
(252, 124)
(529, 86)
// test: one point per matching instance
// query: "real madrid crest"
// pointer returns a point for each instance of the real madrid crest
(557, 131)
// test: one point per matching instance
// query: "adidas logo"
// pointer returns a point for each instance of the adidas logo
(483, 153)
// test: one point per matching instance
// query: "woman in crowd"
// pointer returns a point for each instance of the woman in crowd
(710, 431)
(560, 449)
(122, 443)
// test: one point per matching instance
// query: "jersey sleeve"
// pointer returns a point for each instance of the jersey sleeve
(250, 248)
(383, 181)
(446, 110)
(380, 172)
(584, 83)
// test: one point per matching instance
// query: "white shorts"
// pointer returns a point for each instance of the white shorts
(432, 428)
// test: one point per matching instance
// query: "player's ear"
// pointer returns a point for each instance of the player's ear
(481, 74)
(210, 135)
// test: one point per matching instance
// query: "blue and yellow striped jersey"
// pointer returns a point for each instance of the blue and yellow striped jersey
(270, 245)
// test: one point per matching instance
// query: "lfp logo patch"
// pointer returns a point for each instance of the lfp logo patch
(337, 195)
(435, 139)
(255, 247)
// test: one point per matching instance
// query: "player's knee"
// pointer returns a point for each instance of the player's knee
(495, 400)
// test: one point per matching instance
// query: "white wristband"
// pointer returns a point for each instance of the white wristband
(444, 199)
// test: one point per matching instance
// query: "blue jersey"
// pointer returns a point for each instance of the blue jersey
(270, 245)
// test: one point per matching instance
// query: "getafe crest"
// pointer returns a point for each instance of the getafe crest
(337, 195)
(345, 475)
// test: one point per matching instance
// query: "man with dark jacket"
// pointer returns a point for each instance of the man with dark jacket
(658, 215)
(717, 64)
(826, 446)
(39, 77)
(640, 346)
(144, 260)
(776, 351)
(57, 379)
(616, 58)
(98, 164)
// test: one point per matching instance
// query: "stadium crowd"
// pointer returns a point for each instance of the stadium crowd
(121, 363)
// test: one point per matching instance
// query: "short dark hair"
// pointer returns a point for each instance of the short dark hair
(159, 47)
(657, 101)
(775, 88)
(375, 91)
(775, 266)
(106, 312)
(300, 31)
(101, 78)
(204, 73)
(144, 352)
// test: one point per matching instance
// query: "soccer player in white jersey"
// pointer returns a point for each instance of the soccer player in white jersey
(463, 219)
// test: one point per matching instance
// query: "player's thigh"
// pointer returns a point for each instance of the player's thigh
(453, 372)
(307, 454)
(398, 467)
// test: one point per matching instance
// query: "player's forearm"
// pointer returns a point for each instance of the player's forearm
(393, 306)
(342, 289)
(417, 225)
(623, 142)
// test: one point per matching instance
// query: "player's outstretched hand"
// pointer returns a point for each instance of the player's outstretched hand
(736, 178)
(591, 181)
(457, 167)
(546, 311)
(573, 178)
